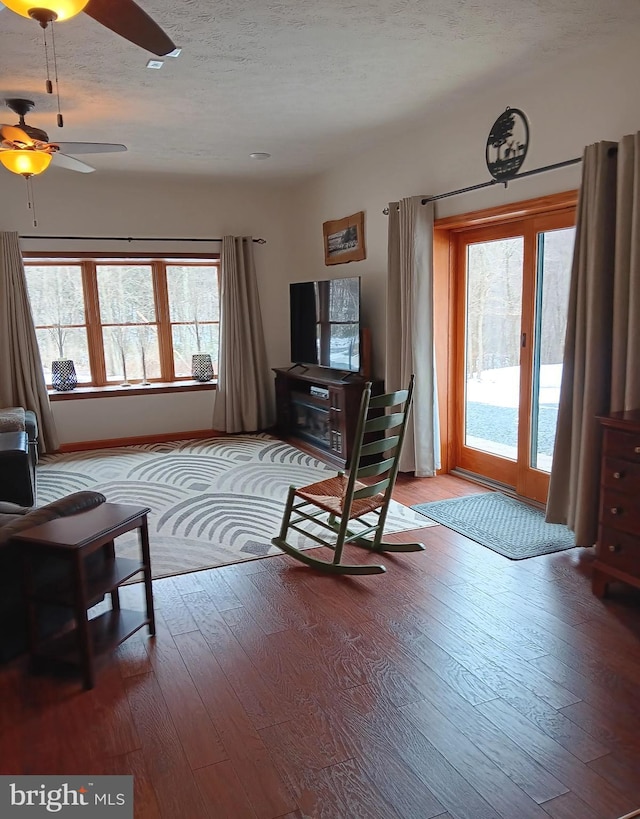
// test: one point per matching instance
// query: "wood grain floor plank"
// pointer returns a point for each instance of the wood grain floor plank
(621, 770)
(132, 658)
(394, 781)
(164, 757)
(344, 790)
(620, 733)
(595, 684)
(553, 722)
(268, 614)
(451, 789)
(264, 788)
(218, 589)
(472, 763)
(222, 792)
(146, 805)
(112, 718)
(259, 700)
(518, 643)
(576, 775)
(200, 740)
(570, 806)
(519, 766)
(439, 657)
(168, 602)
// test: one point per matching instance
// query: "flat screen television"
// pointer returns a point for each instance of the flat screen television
(325, 323)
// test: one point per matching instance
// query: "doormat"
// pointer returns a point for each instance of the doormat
(508, 526)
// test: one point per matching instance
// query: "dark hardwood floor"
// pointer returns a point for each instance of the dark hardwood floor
(458, 685)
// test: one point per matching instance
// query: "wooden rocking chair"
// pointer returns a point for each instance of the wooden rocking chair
(339, 504)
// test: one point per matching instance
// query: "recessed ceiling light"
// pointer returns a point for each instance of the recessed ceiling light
(155, 64)
(175, 53)
(260, 155)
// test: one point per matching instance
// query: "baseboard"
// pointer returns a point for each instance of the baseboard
(160, 438)
(495, 485)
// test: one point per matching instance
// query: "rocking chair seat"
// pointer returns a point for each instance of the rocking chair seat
(330, 495)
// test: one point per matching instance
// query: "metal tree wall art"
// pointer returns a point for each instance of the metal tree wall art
(507, 144)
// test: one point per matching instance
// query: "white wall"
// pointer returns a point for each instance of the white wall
(127, 205)
(592, 97)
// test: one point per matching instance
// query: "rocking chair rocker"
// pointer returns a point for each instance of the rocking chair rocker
(337, 504)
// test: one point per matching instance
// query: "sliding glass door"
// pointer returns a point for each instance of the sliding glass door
(512, 294)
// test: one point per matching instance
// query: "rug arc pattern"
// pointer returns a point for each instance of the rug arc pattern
(213, 501)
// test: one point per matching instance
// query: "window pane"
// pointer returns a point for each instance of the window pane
(126, 294)
(494, 306)
(75, 347)
(555, 251)
(193, 293)
(185, 345)
(55, 293)
(124, 347)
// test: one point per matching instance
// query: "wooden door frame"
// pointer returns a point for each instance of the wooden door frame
(446, 296)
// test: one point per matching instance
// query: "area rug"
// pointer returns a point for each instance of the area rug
(213, 502)
(508, 526)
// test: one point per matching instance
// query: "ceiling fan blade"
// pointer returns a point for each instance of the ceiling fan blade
(71, 164)
(126, 18)
(11, 133)
(90, 147)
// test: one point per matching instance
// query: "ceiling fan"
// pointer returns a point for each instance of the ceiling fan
(123, 17)
(26, 150)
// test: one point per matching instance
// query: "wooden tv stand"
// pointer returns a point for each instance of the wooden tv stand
(318, 409)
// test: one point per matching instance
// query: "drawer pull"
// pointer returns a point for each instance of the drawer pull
(616, 510)
(637, 450)
(614, 547)
(618, 475)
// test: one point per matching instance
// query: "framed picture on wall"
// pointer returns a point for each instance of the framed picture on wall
(344, 239)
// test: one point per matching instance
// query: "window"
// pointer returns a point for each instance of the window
(123, 319)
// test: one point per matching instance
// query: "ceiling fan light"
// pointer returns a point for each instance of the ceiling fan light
(63, 9)
(24, 162)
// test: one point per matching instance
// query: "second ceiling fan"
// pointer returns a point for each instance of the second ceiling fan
(24, 143)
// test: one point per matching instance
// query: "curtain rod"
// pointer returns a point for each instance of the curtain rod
(498, 182)
(130, 239)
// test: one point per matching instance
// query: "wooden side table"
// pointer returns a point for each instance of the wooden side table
(73, 539)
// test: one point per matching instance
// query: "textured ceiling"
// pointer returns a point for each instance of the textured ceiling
(306, 80)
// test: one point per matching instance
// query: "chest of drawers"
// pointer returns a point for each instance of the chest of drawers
(618, 547)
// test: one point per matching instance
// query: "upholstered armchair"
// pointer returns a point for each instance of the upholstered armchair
(18, 455)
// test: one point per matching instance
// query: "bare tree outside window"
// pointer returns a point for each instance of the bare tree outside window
(57, 304)
(194, 312)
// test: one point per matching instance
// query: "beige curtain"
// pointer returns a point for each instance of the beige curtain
(243, 398)
(21, 379)
(601, 370)
(410, 346)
